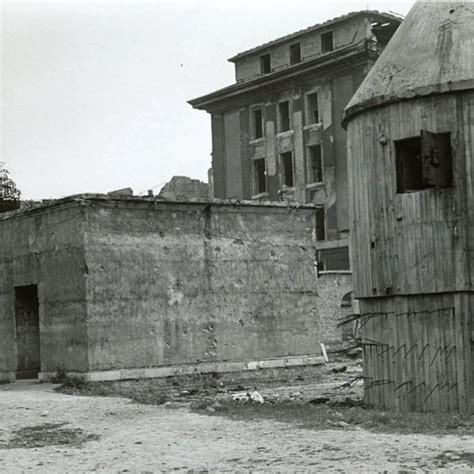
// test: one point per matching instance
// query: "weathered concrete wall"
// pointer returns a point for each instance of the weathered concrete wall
(127, 283)
(181, 283)
(44, 247)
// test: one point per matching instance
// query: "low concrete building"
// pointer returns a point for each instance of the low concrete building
(114, 287)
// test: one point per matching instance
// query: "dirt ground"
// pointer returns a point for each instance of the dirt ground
(80, 433)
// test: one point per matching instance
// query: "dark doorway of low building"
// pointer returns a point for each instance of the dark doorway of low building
(27, 332)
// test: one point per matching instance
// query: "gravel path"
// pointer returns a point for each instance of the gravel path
(135, 437)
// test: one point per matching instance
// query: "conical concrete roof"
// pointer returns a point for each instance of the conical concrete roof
(431, 52)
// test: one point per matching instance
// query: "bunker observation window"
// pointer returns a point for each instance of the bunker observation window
(260, 176)
(265, 64)
(295, 53)
(284, 116)
(424, 162)
(286, 162)
(327, 42)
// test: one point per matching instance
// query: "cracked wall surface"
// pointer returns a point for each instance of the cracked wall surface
(174, 284)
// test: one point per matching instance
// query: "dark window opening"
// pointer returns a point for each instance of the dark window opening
(424, 162)
(320, 224)
(260, 176)
(257, 129)
(265, 64)
(327, 42)
(335, 259)
(295, 53)
(287, 169)
(284, 116)
(313, 108)
(383, 31)
(315, 171)
(347, 300)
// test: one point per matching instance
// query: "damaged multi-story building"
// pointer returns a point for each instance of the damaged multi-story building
(276, 132)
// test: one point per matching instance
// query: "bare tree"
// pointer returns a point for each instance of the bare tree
(9, 193)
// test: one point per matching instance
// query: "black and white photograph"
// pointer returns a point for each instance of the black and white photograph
(236, 236)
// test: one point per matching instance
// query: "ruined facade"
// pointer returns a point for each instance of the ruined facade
(410, 148)
(114, 287)
(276, 133)
(182, 188)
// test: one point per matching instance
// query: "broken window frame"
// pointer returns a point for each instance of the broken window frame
(284, 119)
(259, 176)
(265, 63)
(313, 175)
(287, 172)
(295, 53)
(312, 107)
(327, 41)
(321, 224)
(256, 125)
(424, 162)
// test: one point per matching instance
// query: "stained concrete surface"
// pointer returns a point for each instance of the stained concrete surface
(133, 283)
(134, 437)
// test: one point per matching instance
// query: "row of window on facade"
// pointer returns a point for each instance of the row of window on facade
(284, 122)
(314, 169)
(327, 45)
(315, 174)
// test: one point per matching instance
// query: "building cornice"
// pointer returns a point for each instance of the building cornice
(326, 62)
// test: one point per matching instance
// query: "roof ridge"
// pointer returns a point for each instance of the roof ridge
(312, 28)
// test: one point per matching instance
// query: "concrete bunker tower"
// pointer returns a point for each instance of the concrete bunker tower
(411, 174)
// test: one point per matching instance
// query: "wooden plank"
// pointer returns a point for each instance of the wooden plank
(450, 366)
(436, 361)
(460, 351)
(391, 328)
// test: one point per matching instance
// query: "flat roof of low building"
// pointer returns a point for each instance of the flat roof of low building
(85, 199)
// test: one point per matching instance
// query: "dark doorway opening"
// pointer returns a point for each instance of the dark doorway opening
(27, 332)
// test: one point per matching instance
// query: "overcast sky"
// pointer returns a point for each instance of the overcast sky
(94, 94)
